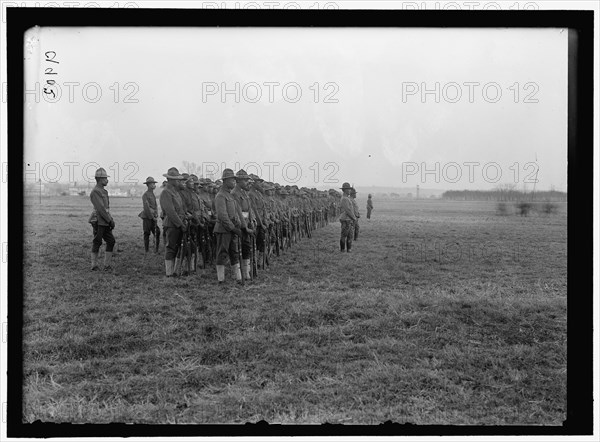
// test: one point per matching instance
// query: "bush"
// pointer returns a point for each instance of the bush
(549, 208)
(501, 209)
(524, 208)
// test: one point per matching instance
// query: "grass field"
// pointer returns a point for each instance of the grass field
(444, 314)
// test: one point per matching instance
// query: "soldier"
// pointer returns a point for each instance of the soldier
(240, 193)
(356, 212)
(227, 228)
(174, 222)
(347, 218)
(102, 221)
(258, 205)
(162, 213)
(369, 206)
(149, 216)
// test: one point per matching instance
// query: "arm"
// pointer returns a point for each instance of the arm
(98, 203)
(148, 212)
(222, 214)
(166, 202)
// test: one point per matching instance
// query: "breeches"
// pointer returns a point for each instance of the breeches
(227, 248)
(347, 231)
(172, 243)
(102, 233)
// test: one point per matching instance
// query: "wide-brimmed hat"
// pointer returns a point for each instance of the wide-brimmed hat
(101, 173)
(173, 174)
(283, 192)
(256, 178)
(227, 173)
(346, 186)
(150, 180)
(242, 175)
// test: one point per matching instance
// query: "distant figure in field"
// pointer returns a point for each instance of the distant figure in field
(369, 206)
(101, 221)
(347, 218)
(356, 212)
(149, 216)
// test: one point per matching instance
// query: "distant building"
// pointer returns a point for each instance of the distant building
(116, 192)
(74, 191)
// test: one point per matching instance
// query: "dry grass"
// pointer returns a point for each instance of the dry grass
(444, 314)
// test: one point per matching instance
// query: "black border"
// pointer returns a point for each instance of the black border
(580, 200)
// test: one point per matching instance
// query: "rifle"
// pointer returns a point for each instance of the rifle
(239, 241)
(267, 248)
(178, 265)
(275, 226)
(254, 272)
(156, 236)
(192, 248)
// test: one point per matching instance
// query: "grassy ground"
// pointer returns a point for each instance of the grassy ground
(444, 314)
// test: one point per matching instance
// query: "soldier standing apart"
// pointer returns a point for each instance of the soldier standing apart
(347, 218)
(227, 228)
(240, 193)
(102, 221)
(174, 222)
(356, 212)
(150, 216)
(369, 206)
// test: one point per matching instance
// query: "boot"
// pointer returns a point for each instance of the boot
(237, 272)
(221, 274)
(246, 268)
(108, 260)
(168, 267)
(94, 260)
(342, 245)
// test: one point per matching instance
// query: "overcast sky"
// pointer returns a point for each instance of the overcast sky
(361, 117)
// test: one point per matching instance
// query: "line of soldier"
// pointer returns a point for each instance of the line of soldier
(239, 212)
(210, 217)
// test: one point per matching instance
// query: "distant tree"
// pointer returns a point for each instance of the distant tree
(394, 195)
(191, 168)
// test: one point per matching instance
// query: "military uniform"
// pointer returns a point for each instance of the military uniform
(248, 221)
(347, 219)
(369, 207)
(227, 228)
(149, 216)
(356, 213)
(175, 219)
(257, 199)
(102, 221)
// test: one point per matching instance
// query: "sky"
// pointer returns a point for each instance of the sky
(315, 107)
